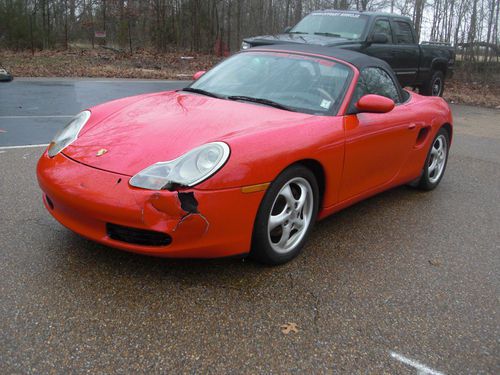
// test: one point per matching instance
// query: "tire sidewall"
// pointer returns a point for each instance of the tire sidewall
(261, 250)
(428, 88)
(437, 76)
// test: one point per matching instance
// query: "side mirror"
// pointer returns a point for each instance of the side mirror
(287, 29)
(375, 104)
(379, 38)
(198, 74)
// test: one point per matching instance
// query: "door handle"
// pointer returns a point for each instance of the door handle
(412, 126)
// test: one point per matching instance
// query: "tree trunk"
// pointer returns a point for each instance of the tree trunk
(417, 16)
(66, 24)
(238, 21)
(298, 11)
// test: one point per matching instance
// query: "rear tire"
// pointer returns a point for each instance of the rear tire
(435, 86)
(436, 161)
(286, 216)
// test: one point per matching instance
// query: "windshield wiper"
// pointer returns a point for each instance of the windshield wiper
(329, 34)
(261, 101)
(200, 91)
(297, 32)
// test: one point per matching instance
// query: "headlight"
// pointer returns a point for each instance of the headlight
(245, 45)
(68, 134)
(188, 170)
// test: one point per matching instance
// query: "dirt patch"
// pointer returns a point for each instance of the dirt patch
(105, 63)
(474, 93)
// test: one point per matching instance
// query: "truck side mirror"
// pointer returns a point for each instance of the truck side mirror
(379, 38)
(287, 29)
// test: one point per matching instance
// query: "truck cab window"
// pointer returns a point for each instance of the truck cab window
(383, 27)
(403, 33)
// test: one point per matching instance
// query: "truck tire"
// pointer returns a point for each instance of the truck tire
(435, 86)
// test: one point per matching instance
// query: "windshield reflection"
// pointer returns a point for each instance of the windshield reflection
(294, 82)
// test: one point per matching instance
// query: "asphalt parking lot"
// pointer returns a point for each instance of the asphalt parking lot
(403, 282)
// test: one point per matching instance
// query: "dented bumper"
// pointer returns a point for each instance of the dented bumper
(200, 223)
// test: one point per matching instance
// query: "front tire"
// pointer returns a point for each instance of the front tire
(436, 161)
(286, 216)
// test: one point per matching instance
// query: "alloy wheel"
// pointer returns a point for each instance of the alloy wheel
(437, 159)
(290, 215)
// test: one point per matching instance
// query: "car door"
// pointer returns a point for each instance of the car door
(376, 144)
(384, 51)
(406, 53)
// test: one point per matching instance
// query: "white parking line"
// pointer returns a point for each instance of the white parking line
(37, 116)
(421, 369)
(22, 146)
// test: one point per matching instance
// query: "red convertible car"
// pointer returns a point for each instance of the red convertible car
(246, 158)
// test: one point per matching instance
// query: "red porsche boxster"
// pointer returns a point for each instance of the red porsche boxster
(246, 158)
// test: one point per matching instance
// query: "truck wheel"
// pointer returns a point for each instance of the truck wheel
(435, 86)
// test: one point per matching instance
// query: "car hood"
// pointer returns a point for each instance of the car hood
(164, 126)
(320, 40)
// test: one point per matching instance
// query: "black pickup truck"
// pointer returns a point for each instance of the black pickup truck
(387, 36)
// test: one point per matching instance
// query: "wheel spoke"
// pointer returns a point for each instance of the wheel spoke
(433, 165)
(285, 236)
(277, 220)
(287, 194)
(302, 199)
(298, 223)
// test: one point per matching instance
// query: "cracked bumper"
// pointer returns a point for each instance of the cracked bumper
(85, 199)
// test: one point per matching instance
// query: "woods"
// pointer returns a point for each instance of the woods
(202, 25)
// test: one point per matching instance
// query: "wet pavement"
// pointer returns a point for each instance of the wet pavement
(403, 282)
(33, 109)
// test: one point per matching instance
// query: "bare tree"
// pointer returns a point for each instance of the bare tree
(471, 25)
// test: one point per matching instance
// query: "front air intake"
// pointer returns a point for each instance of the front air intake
(137, 236)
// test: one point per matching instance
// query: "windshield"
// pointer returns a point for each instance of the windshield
(345, 25)
(300, 83)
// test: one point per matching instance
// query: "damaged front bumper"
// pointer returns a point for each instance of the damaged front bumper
(103, 207)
